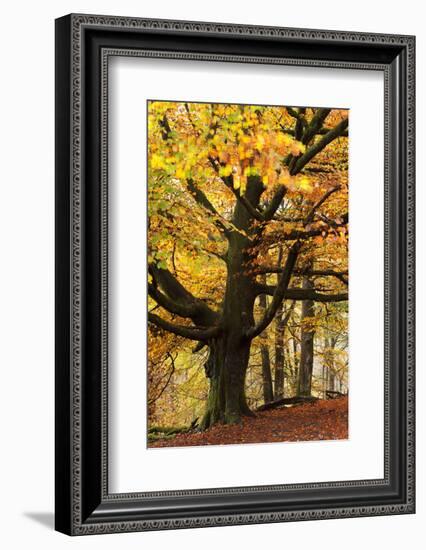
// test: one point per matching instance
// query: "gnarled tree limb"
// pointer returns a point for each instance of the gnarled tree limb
(178, 297)
(192, 332)
(182, 309)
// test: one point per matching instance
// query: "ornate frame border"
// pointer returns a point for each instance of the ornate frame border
(71, 517)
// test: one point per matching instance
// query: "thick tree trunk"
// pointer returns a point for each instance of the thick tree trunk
(229, 354)
(226, 370)
(307, 347)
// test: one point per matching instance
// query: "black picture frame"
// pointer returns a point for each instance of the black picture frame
(83, 504)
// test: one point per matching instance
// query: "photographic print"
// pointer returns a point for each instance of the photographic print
(247, 274)
(202, 269)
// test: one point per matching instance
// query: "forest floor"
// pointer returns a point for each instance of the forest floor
(320, 420)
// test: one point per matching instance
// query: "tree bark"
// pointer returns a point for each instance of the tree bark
(230, 352)
(268, 393)
(279, 354)
(226, 371)
(330, 344)
(307, 346)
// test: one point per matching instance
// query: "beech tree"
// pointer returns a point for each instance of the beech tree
(245, 203)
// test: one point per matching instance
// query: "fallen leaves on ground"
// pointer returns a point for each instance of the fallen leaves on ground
(321, 420)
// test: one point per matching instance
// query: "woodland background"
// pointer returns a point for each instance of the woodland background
(248, 257)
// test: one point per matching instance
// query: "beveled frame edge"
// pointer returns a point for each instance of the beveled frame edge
(69, 224)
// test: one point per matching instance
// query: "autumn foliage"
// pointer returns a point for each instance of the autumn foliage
(247, 260)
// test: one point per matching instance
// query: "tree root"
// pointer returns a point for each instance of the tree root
(286, 401)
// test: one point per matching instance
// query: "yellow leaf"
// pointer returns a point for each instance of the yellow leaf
(157, 161)
(225, 170)
(180, 172)
(305, 184)
(260, 142)
(284, 177)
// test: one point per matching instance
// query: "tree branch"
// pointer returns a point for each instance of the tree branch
(300, 123)
(315, 125)
(229, 182)
(288, 131)
(320, 202)
(340, 275)
(302, 234)
(325, 129)
(303, 294)
(311, 273)
(254, 213)
(279, 293)
(169, 377)
(165, 128)
(203, 201)
(344, 218)
(178, 297)
(333, 134)
(192, 333)
(298, 114)
(183, 310)
(275, 202)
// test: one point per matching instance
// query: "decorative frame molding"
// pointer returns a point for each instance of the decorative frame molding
(84, 44)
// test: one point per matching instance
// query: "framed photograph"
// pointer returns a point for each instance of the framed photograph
(234, 274)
